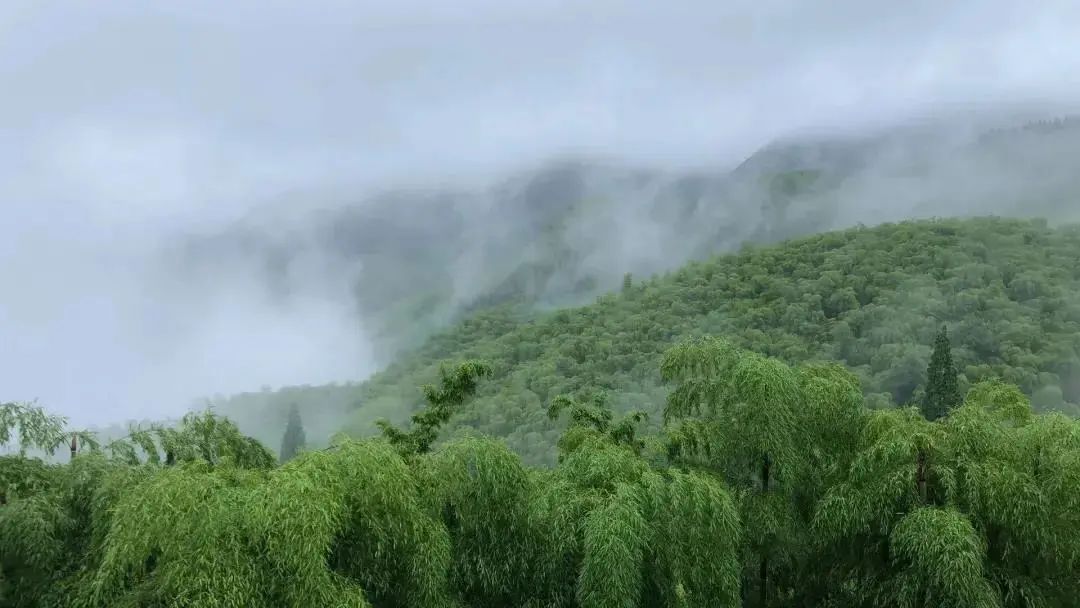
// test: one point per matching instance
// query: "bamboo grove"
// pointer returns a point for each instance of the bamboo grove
(769, 485)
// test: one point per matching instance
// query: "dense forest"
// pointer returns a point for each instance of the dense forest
(870, 298)
(769, 485)
(871, 417)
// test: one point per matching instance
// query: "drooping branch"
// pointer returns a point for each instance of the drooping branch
(454, 389)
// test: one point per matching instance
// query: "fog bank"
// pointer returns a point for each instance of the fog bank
(124, 126)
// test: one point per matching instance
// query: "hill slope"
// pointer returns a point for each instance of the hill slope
(413, 261)
(872, 298)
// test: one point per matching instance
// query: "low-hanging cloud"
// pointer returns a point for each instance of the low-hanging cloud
(124, 125)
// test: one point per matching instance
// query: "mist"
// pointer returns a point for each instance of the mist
(125, 129)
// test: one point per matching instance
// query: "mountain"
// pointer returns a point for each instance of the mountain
(872, 298)
(415, 262)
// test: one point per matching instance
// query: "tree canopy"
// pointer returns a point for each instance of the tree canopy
(761, 476)
(872, 299)
(942, 389)
(768, 485)
(294, 438)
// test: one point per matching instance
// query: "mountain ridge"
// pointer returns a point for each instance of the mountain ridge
(870, 297)
(412, 262)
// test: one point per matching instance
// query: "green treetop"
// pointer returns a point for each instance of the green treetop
(942, 389)
(294, 440)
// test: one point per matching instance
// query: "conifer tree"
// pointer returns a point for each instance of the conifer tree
(942, 388)
(294, 440)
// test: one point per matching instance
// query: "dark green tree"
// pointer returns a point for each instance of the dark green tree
(942, 388)
(294, 440)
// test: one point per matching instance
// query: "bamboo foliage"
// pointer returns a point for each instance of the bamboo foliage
(199, 436)
(776, 486)
(30, 427)
(480, 491)
(985, 530)
(347, 527)
(751, 406)
(182, 533)
(945, 555)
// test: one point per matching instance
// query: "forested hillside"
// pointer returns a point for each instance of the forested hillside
(872, 298)
(698, 445)
(411, 263)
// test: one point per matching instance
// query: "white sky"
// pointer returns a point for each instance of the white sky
(122, 122)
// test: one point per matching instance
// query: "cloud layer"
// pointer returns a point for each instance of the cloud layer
(122, 124)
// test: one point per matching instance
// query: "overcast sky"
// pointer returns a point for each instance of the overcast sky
(122, 122)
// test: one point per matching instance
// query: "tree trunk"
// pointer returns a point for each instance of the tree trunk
(920, 479)
(766, 465)
(74, 446)
(763, 582)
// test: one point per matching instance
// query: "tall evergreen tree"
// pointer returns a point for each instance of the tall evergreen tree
(294, 440)
(942, 387)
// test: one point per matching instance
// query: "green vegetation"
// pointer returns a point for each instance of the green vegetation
(789, 426)
(942, 389)
(770, 485)
(294, 440)
(870, 298)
